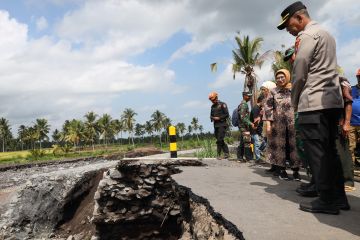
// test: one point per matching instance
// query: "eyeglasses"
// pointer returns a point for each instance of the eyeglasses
(280, 77)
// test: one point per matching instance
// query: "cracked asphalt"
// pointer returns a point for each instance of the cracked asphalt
(265, 207)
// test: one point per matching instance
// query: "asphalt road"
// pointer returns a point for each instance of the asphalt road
(265, 207)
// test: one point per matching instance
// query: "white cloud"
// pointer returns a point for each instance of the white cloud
(47, 78)
(86, 64)
(41, 24)
(226, 78)
(349, 56)
(121, 28)
(14, 35)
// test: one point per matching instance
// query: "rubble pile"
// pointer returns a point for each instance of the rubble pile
(137, 201)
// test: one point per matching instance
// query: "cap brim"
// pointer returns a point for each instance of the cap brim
(286, 58)
(282, 25)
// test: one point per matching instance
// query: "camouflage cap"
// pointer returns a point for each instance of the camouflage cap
(247, 93)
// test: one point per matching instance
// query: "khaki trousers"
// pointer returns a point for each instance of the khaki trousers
(354, 137)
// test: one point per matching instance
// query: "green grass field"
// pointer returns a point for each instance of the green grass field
(206, 145)
(27, 156)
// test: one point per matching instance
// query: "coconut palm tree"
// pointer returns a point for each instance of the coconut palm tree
(189, 130)
(105, 127)
(279, 62)
(30, 136)
(5, 132)
(166, 125)
(195, 126)
(75, 132)
(246, 57)
(42, 128)
(128, 117)
(116, 126)
(157, 119)
(149, 129)
(119, 127)
(91, 128)
(140, 130)
(56, 136)
(180, 128)
(201, 129)
(22, 135)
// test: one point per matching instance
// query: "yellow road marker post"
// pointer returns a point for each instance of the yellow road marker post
(173, 147)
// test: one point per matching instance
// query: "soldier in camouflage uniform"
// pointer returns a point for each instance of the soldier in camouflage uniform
(219, 115)
(244, 127)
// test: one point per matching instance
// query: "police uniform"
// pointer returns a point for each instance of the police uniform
(219, 109)
(316, 95)
(244, 129)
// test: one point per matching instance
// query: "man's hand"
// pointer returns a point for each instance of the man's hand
(216, 118)
(346, 128)
(268, 129)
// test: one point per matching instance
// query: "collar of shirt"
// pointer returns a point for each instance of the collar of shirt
(309, 25)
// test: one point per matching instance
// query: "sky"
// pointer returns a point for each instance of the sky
(60, 59)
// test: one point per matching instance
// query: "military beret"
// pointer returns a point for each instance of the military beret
(288, 53)
(288, 12)
(247, 93)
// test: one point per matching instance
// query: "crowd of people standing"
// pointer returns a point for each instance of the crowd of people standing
(308, 118)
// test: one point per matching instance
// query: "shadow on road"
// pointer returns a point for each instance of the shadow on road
(347, 220)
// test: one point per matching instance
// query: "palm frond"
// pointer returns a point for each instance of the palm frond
(213, 67)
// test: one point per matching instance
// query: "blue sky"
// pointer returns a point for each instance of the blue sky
(63, 58)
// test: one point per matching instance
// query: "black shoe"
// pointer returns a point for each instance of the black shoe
(227, 156)
(283, 175)
(306, 185)
(307, 192)
(319, 206)
(272, 169)
(342, 203)
(276, 173)
(296, 176)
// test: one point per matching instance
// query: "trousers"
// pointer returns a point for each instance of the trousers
(319, 131)
(220, 143)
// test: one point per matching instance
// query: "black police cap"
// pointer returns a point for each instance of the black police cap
(288, 12)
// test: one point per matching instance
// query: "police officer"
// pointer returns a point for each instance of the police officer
(219, 115)
(316, 96)
(244, 128)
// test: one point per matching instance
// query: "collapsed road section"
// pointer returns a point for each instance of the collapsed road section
(136, 199)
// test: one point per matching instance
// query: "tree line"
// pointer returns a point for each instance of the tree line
(94, 129)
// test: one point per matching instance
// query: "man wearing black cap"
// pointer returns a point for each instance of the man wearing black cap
(316, 96)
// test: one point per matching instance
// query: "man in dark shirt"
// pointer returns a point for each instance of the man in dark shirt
(256, 130)
(219, 115)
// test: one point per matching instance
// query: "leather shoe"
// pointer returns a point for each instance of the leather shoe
(319, 206)
(342, 203)
(307, 192)
(305, 185)
(271, 170)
